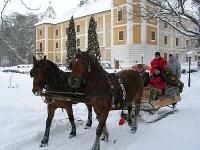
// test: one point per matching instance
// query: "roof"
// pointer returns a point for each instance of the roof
(92, 7)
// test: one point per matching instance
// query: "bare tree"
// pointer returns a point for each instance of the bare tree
(179, 14)
(18, 38)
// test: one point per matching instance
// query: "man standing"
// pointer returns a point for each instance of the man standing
(175, 67)
(157, 61)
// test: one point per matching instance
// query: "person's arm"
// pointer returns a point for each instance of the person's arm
(178, 70)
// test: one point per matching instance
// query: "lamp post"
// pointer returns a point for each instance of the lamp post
(142, 56)
(189, 54)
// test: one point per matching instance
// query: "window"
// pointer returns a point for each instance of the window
(176, 56)
(78, 42)
(120, 15)
(121, 35)
(56, 32)
(165, 24)
(56, 44)
(66, 30)
(40, 47)
(153, 36)
(165, 40)
(40, 32)
(177, 41)
(165, 55)
(78, 28)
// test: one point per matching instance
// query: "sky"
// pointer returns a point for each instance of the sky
(60, 6)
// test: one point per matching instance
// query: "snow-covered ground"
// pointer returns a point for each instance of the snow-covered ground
(23, 117)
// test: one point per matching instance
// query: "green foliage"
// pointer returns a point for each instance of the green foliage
(93, 43)
(71, 41)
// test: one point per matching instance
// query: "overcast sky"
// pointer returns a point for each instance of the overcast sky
(60, 6)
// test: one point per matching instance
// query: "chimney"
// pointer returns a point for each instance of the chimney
(82, 2)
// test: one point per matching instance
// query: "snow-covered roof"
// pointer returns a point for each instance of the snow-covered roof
(91, 7)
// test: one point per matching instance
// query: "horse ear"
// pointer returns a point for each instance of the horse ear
(45, 57)
(34, 60)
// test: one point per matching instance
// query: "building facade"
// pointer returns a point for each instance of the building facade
(123, 37)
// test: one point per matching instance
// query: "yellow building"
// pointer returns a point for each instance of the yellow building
(125, 37)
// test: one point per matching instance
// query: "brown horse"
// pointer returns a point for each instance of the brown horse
(46, 75)
(100, 90)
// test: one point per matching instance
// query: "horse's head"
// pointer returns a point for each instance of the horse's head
(80, 66)
(38, 75)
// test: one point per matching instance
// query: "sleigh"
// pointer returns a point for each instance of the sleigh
(163, 101)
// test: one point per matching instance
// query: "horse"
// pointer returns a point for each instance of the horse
(46, 75)
(101, 87)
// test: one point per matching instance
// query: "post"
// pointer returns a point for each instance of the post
(142, 56)
(189, 71)
(189, 53)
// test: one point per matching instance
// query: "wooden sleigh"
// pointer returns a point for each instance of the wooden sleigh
(161, 102)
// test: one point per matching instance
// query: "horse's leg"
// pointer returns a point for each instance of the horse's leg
(71, 119)
(51, 111)
(137, 110)
(102, 114)
(130, 117)
(105, 134)
(89, 121)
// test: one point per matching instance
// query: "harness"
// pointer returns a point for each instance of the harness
(120, 94)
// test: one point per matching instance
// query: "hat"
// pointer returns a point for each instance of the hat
(158, 68)
(157, 53)
(170, 55)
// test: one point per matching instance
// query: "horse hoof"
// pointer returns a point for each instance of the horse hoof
(43, 144)
(133, 130)
(72, 135)
(87, 126)
(104, 139)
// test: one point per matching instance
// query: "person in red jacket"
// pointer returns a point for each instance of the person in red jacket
(157, 61)
(157, 83)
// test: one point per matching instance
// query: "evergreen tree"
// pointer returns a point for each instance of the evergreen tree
(93, 43)
(71, 41)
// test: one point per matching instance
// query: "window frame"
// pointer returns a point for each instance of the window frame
(78, 42)
(165, 42)
(119, 15)
(56, 32)
(177, 41)
(120, 35)
(78, 28)
(153, 39)
(40, 46)
(57, 45)
(40, 32)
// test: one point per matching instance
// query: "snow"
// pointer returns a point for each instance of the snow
(23, 119)
(89, 8)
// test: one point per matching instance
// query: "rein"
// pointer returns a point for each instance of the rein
(63, 98)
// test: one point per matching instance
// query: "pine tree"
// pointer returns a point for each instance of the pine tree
(93, 43)
(71, 41)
